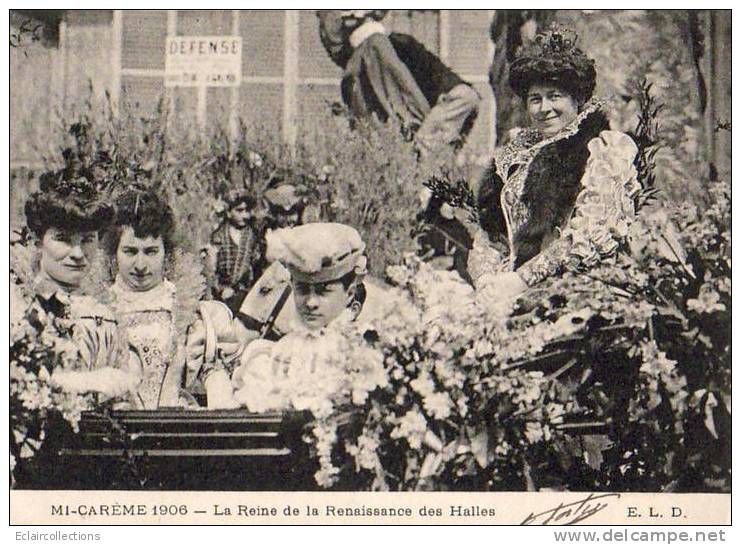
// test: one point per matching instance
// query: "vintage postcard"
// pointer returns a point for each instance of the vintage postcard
(371, 266)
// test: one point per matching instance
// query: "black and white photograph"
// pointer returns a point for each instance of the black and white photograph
(371, 250)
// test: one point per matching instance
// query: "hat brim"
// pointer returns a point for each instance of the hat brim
(326, 274)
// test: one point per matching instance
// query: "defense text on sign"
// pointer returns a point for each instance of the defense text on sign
(194, 61)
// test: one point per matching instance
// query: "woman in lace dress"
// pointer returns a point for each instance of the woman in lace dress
(65, 217)
(560, 194)
(156, 294)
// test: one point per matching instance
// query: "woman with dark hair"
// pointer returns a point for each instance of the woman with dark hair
(560, 194)
(140, 218)
(156, 293)
(139, 243)
(65, 217)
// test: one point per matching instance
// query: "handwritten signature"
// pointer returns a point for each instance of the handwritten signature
(571, 513)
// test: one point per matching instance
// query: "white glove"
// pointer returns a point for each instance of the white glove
(425, 194)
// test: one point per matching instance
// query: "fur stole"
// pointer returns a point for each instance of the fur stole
(555, 167)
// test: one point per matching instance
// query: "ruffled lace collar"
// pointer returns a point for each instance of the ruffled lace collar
(159, 298)
(531, 137)
(526, 144)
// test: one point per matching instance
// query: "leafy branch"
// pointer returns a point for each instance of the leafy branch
(454, 192)
(647, 140)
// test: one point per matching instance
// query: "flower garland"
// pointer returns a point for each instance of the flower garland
(310, 370)
(324, 372)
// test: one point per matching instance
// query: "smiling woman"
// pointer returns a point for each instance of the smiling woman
(65, 216)
(560, 194)
(550, 109)
(66, 255)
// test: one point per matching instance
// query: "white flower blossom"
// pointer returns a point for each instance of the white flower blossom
(412, 427)
(438, 405)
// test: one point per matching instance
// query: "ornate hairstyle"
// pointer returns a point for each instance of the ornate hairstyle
(147, 213)
(72, 204)
(553, 58)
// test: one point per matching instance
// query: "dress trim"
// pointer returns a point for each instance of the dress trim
(522, 150)
(159, 298)
(528, 142)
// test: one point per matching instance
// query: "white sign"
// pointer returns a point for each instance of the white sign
(203, 61)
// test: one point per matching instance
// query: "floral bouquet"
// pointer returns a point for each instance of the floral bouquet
(613, 379)
(309, 371)
(39, 342)
(448, 384)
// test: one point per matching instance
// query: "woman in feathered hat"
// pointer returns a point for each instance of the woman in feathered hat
(65, 217)
(561, 192)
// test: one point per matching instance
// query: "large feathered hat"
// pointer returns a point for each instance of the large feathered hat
(75, 204)
(553, 58)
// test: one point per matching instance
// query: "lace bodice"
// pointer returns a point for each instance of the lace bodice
(149, 321)
(601, 215)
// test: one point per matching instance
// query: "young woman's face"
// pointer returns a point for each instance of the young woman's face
(550, 109)
(66, 255)
(141, 261)
(319, 304)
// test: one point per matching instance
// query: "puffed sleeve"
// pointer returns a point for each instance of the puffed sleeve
(213, 342)
(114, 353)
(114, 345)
(255, 363)
(602, 214)
(260, 379)
(101, 340)
(105, 365)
